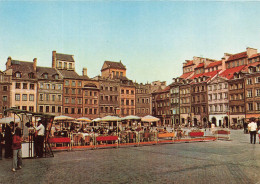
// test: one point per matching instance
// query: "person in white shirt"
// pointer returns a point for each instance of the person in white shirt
(39, 139)
(252, 129)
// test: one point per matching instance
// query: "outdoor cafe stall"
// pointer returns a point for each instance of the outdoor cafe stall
(27, 121)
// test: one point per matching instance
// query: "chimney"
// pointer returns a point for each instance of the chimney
(251, 51)
(84, 72)
(34, 64)
(8, 63)
(54, 59)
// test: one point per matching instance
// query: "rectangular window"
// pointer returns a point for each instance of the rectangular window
(41, 85)
(17, 85)
(73, 91)
(41, 97)
(53, 109)
(31, 97)
(73, 100)
(59, 87)
(250, 106)
(79, 83)
(32, 86)
(47, 97)
(24, 85)
(122, 91)
(79, 111)
(79, 101)
(41, 108)
(72, 110)
(249, 81)
(67, 83)
(4, 88)
(24, 97)
(59, 109)
(66, 110)
(47, 108)
(86, 101)
(249, 93)
(47, 86)
(53, 98)
(258, 106)
(59, 97)
(73, 83)
(257, 92)
(257, 80)
(4, 98)
(66, 100)
(53, 86)
(24, 108)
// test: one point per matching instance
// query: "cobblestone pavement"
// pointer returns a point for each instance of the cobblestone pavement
(231, 162)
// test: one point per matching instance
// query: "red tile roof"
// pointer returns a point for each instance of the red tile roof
(189, 63)
(216, 63)
(186, 75)
(237, 56)
(201, 65)
(251, 64)
(229, 73)
(254, 55)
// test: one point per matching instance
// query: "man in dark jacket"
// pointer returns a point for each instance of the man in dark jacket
(8, 141)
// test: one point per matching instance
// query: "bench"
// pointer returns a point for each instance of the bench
(107, 138)
(59, 140)
(222, 134)
(196, 134)
(165, 135)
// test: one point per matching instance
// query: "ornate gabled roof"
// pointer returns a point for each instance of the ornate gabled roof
(113, 65)
(65, 57)
(237, 56)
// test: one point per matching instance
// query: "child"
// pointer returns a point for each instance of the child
(17, 152)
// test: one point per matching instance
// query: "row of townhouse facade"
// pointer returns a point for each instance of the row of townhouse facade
(59, 90)
(225, 92)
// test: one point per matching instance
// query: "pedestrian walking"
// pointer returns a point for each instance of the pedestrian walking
(252, 127)
(39, 139)
(8, 140)
(17, 151)
(1, 138)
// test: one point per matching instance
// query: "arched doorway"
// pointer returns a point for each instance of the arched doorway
(213, 120)
(195, 122)
(204, 121)
(219, 123)
(226, 122)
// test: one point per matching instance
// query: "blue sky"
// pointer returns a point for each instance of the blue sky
(152, 38)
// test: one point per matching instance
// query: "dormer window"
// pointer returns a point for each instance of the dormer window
(70, 65)
(56, 76)
(18, 75)
(31, 75)
(45, 76)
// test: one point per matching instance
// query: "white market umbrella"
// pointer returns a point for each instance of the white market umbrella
(63, 118)
(83, 119)
(110, 118)
(9, 119)
(96, 120)
(150, 118)
(131, 117)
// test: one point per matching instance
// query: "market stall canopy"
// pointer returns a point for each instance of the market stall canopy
(149, 118)
(131, 117)
(9, 119)
(83, 119)
(96, 120)
(63, 118)
(111, 118)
